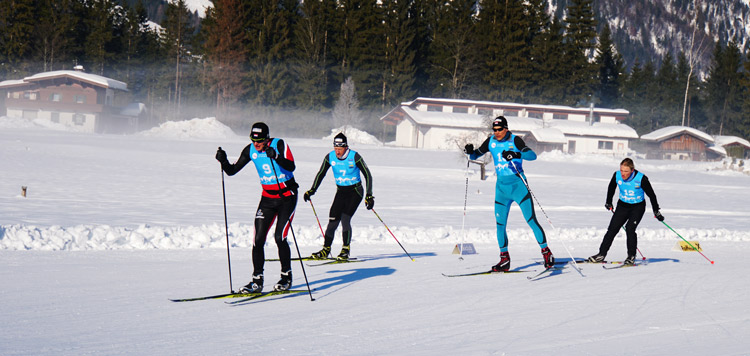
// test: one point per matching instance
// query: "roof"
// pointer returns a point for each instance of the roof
(522, 124)
(618, 112)
(668, 132)
(90, 78)
(729, 140)
(548, 135)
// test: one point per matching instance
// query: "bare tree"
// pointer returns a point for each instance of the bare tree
(693, 56)
(346, 113)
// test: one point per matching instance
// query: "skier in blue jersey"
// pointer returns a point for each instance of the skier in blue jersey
(631, 206)
(508, 152)
(274, 162)
(348, 167)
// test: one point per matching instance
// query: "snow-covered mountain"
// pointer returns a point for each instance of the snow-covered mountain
(649, 29)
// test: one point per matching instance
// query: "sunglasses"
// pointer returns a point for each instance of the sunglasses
(498, 130)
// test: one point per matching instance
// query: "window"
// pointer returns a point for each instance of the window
(29, 95)
(484, 111)
(535, 115)
(605, 145)
(460, 110)
(80, 99)
(434, 108)
(55, 97)
(79, 119)
(55, 117)
(510, 112)
(559, 116)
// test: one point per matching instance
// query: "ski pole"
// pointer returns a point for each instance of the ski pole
(626, 231)
(309, 291)
(573, 260)
(463, 221)
(316, 218)
(688, 242)
(394, 236)
(226, 228)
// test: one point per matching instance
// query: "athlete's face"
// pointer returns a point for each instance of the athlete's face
(499, 134)
(260, 145)
(339, 151)
(625, 171)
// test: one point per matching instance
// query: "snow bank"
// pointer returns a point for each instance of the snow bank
(354, 136)
(208, 128)
(145, 237)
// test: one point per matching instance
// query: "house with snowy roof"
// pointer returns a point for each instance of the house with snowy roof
(734, 146)
(436, 123)
(85, 101)
(681, 143)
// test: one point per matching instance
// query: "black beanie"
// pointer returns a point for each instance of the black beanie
(500, 122)
(259, 132)
(340, 140)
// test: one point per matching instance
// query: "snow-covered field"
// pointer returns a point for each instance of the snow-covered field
(113, 226)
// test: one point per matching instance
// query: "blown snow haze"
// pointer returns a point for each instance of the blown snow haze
(113, 226)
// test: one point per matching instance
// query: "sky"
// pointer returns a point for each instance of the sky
(112, 226)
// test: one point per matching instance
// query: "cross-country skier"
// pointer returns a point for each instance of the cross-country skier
(274, 162)
(508, 152)
(346, 166)
(630, 208)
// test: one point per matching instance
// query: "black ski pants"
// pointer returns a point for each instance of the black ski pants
(268, 211)
(625, 214)
(345, 204)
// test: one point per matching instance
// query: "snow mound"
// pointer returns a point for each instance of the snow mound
(208, 128)
(354, 136)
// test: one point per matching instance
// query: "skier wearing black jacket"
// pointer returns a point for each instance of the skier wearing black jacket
(346, 166)
(274, 162)
(631, 206)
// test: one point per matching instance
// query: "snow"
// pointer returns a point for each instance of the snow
(112, 226)
(671, 131)
(199, 5)
(87, 77)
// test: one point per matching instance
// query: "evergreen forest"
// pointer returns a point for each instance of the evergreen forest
(287, 60)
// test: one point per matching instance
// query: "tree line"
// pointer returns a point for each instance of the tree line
(274, 59)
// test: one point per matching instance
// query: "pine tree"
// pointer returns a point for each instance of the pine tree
(178, 33)
(100, 23)
(53, 33)
(723, 89)
(400, 52)
(580, 37)
(16, 28)
(669, 95)
(611, 66)
(638, 91)
(226, 52)
(313, 53)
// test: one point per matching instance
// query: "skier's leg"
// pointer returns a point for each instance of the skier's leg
(286, 210)
(634, 218)
(615, 223)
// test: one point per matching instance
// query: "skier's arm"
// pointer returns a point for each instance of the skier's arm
(284, 156)
(646, 186)
(320, 175)
(244, 159)
(365, 171)
(484, 148)
(611, 189)
(526, 152)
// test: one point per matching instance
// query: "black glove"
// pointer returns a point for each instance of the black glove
(658, 216)
(509, 155)
(369, 202)
(608, 206)
(469, 149)
(308, 194)
(221, 156)
(270, 152)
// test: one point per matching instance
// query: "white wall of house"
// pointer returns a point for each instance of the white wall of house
(598, 145)
(78, 121)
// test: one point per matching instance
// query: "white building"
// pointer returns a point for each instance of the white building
(446, 123)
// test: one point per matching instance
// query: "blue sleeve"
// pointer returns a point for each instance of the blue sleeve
(484, 148)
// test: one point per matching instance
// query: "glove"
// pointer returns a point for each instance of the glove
(608, 206)
(221, 156)
(658, 216)
(308, 194)
(369, 202)
(509, 155)
(469, 149)
(270, 152)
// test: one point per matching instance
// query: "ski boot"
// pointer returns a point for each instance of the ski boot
(256, 286)
(598, 258)
(322, 254)
(549, 260)
(285, 282)
(504, 264)
(630, 261)
(344, 255)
